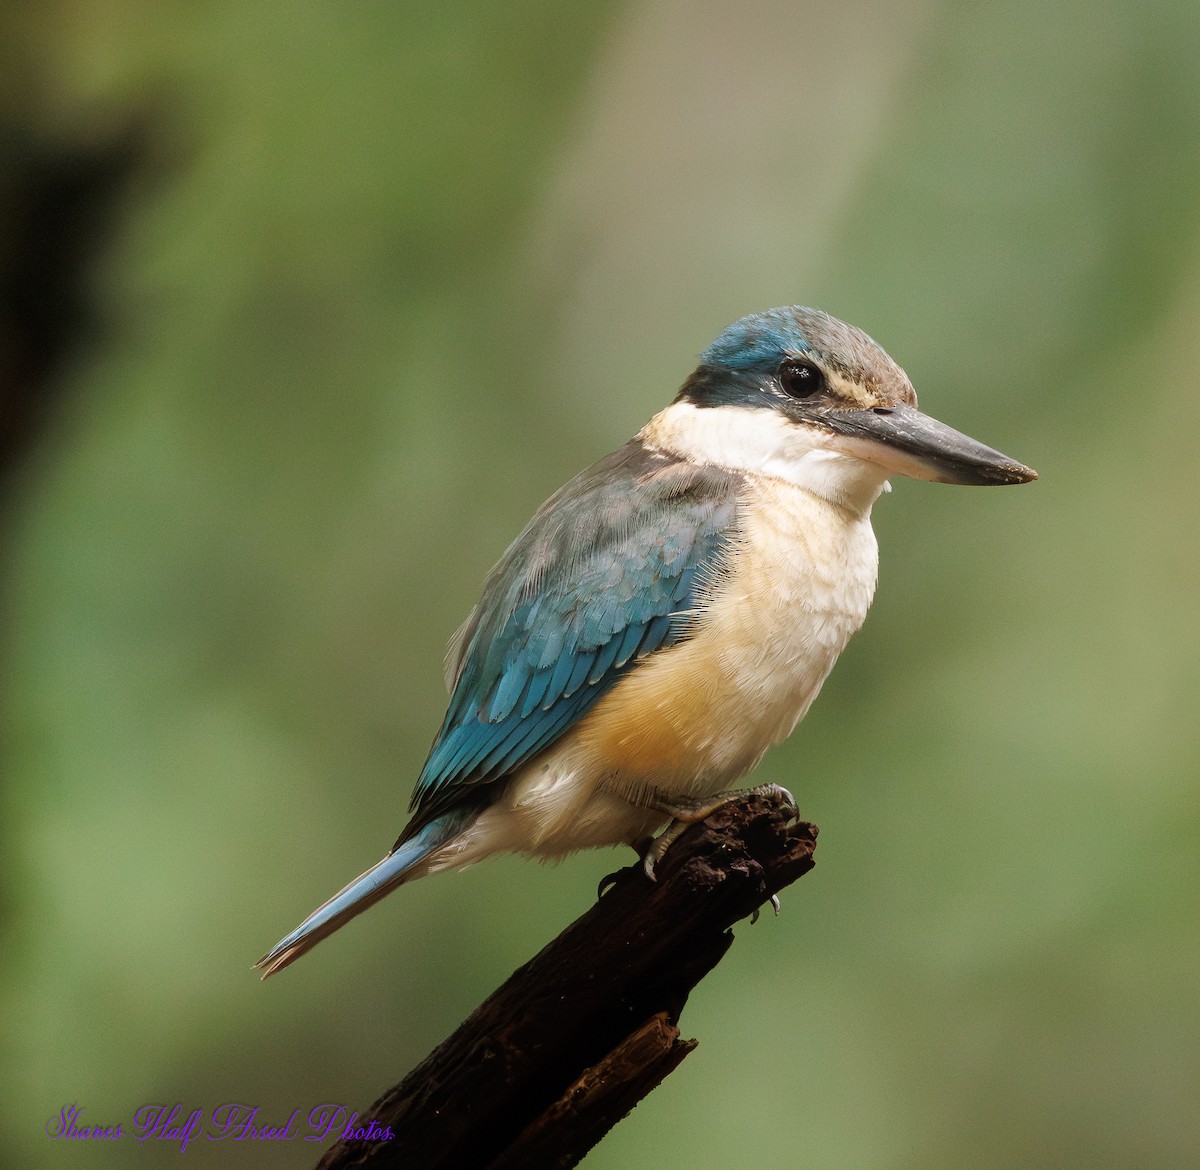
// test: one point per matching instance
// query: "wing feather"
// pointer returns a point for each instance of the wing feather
(609, 570)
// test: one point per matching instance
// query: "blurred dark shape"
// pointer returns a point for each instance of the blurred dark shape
(58, 205)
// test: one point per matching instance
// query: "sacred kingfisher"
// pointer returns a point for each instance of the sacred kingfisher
(672, 611)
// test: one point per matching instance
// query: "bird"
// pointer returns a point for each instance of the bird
(671, 612)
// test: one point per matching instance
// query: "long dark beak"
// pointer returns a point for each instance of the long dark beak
(907, 442)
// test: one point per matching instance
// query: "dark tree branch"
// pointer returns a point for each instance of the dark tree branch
(583, 1031)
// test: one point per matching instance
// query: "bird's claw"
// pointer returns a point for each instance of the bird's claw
(652, 856)
(607, 882)
(657, 848)
(774, 900)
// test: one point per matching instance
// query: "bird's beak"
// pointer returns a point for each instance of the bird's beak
(907, 442)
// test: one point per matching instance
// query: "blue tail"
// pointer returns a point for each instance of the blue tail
(364, 891)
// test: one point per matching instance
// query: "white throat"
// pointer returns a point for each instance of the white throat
(763, 442)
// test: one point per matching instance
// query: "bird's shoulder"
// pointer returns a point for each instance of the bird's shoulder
(632, 521)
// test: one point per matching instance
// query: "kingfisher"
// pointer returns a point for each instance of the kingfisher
(671, 612)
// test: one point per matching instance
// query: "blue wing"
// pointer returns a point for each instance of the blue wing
(604, 574)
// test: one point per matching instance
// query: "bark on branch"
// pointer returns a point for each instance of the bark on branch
(583, 1031)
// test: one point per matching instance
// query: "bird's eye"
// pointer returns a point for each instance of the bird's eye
(801, 379)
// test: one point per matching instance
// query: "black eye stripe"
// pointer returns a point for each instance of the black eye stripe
(801, 379)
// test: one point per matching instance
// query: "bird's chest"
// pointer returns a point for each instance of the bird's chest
(794, 586)
(801, 577)
(798, 584)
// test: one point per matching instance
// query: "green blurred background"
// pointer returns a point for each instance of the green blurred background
(368, 280)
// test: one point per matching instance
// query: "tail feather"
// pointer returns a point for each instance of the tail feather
(366, 889)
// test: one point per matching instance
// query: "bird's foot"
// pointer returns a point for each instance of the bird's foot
(777, 792)
(685, 812)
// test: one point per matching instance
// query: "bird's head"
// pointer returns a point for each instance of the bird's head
(822, 391)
